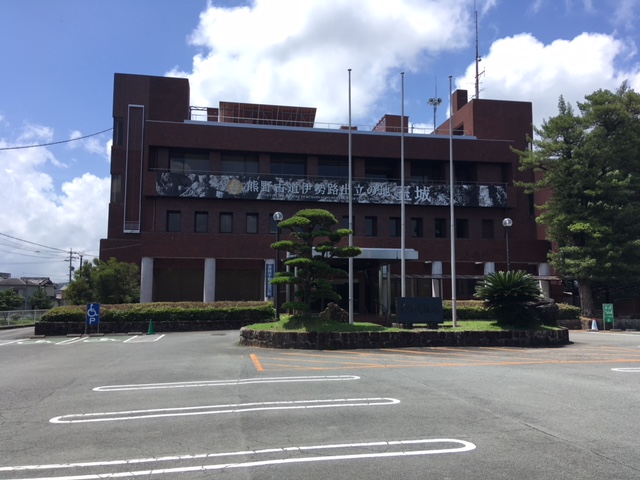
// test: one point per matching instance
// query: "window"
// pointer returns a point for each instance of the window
(465, 172)
(417, 227)
(427, 172)
(226, 222)
(440, 226)
(487, 229)
(272, 223)
(345, 223)
(238, 163)
(181, 161)
(462, 228)
(370, 226)
(116, 188)
(252, 223)
(382, 169)
(201, 222)
(394, 227)
(295, 166)
(333, 168)
(173, 221)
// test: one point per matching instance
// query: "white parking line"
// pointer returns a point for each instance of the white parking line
(366, 452)
(219, 409)
(69, 341)
(9, 342)
(627, 369)
(220, 383)
(144, 338)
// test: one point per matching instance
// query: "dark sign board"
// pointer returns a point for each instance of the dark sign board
(419, 310)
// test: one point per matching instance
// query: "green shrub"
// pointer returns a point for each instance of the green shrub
(509, 296)
(467, 310)
(568, 312)
(167, 312)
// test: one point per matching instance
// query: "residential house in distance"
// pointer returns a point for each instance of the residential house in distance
(194, 190)
(27, 286)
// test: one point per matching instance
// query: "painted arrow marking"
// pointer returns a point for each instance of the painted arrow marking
(220, 409)
(396, 448)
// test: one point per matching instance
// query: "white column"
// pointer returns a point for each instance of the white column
(436, 282)
(146, 280)
(489, 267)
(544, 270)
(209, 291)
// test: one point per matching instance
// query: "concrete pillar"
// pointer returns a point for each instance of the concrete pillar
(544, 270)
(489, 267)
(436, 280)
(209, 291)
(146, 280)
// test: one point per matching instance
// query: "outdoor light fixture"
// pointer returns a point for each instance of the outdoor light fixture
(277, 217)
(506, 223)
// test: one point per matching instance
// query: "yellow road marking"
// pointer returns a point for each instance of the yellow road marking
(257, 363)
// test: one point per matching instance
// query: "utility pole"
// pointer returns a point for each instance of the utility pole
(71, 258)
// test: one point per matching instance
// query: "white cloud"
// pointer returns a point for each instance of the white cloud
(523, 68)
(32, 209)
(94, 145)
(292, 52)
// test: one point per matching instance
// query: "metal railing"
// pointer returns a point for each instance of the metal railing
(20, 317)
(201, 114)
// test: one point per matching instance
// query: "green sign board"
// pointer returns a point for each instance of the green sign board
(607, 312)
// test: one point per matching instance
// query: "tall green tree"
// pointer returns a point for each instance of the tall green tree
(590, 164)
(311, 243)
(10, 300)
(109, 282)
(40, 300)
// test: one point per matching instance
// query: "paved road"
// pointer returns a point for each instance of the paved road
(197, 405)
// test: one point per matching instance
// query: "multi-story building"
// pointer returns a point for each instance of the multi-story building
(194, 191)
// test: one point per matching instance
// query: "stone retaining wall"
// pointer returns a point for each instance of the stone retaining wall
(416, 338)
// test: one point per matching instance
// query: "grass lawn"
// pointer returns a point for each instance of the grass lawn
(317, 324)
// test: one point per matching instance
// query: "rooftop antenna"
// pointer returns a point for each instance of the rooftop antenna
(435, 103)
(478, 58)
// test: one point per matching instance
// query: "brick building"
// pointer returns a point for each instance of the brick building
(194, 191)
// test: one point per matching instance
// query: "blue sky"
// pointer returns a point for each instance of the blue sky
(58, 60)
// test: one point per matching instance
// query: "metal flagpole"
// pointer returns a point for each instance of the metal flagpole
(452, 214)
(403, 285)
(350, 213)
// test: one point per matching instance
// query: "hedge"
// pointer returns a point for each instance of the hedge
(254, 312)
(475, 310)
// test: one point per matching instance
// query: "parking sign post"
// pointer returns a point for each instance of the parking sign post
(93, 316)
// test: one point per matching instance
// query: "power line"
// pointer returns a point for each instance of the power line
(33, 243)
(55, 143)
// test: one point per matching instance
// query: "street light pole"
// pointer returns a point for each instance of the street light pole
(277, 217)
(506, 223)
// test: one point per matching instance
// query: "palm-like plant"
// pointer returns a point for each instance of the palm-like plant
(509, 295)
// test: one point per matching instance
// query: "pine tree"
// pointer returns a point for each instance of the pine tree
(590, 163)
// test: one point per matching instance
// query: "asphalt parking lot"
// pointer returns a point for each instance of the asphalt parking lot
(197, 405)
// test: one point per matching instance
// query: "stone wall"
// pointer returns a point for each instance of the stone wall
(416, 338)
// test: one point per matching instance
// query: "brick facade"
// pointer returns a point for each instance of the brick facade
(157, 194)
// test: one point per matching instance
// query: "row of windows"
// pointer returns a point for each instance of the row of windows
(239, 163)
(416, 225)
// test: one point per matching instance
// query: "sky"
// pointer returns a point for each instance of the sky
(58, 59)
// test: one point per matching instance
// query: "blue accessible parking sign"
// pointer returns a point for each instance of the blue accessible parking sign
(93, 314)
